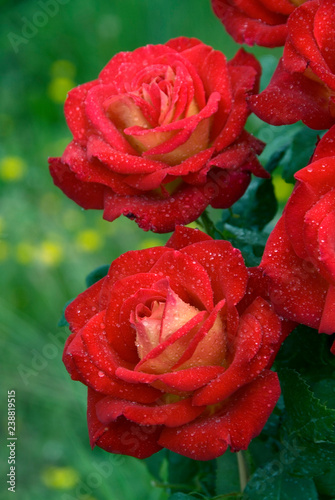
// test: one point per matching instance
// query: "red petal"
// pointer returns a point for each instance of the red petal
(296, 288)
(160, 215)
(120, 334)
(252, 29)
(120, 162)
(324, 31)
(241, 420)
(93, 171)
(319, 175)
(300, 201)
(319, 232)
(94, 366)
(74, 110)
(191, 378)
(84, 307)
(325, 147)
(86, 195)
(258, 336)
(122, 436)
(189, 275)
(171, 415)
(327, 245)
(327, 324)
(292, 97)
(123, 266)
(185, 236)
(230, 282)
(97, 115)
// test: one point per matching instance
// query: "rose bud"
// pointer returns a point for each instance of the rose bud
(175, 345)
(303, 85)
(160, 135)
(256, 23)
(299, 257)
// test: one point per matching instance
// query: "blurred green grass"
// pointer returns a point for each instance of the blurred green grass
(48, 244)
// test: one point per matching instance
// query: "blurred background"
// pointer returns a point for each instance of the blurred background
(48, 244)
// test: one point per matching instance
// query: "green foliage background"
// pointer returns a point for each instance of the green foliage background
(48, 245)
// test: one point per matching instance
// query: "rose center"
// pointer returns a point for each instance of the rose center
(171, 334)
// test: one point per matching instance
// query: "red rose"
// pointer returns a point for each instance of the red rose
(175, 347)
(160, 135)
(260, 22)
(299, 257)
(303, 86)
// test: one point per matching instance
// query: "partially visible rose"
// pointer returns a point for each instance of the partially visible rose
(303, 85)
(160, 135)
(257, 22)
(175, 345)
(299, 257)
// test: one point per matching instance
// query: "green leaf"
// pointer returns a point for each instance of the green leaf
(307, 416)
(227, 474)
(324, 390)
(256, 208)
(308, 352)
(183, 496)
(96, 275)
(181, 470)
(300, 152)
(308, 427)
(156, 463)
(325, 483)
(273, 483)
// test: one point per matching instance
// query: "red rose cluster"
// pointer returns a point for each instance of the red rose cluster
(176, 343)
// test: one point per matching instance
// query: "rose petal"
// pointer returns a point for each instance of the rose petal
(74, 110)
(292, 97)
(120, 162)
(296, 289)
(230, 284)
(189, 275)
(185, 236)
(155, 213)
(121, 436)
(162, 358)
(241, 420)
(171, 415)
(120, 333)
(84, 307)
(85, 194)
(327, 323)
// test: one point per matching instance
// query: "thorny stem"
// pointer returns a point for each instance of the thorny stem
(242, 470)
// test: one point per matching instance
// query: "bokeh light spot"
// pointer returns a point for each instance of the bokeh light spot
(89, 240)
(12, 168)
(282, 189)
(60, 477)
(50, 253)
(58, 89)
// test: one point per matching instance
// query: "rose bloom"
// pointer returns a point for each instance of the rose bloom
(299, 257)
(160, 135)
(259, 22)
(303, 85)
(175, 345)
